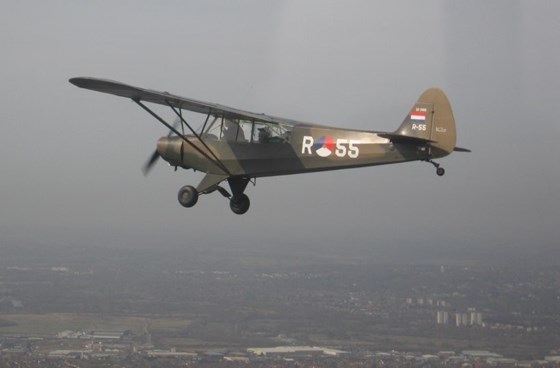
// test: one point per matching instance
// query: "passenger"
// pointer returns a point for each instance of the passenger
(264, 134)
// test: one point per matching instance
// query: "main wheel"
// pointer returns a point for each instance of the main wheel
(240, 205)
(188, 196)
(440, 171)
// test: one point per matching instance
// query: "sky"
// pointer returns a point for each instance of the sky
(71, 158)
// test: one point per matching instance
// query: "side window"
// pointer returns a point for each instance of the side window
(271, 133)
(261, 133)
(229, 130)
(245, 131)
(234, 130)
(213, 130)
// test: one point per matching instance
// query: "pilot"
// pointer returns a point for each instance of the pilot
(231, 131)
(264, 134)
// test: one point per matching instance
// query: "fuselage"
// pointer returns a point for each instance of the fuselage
(305, 149)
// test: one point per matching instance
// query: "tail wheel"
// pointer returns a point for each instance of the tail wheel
(440, 171)
(239, 205)
(188, 196)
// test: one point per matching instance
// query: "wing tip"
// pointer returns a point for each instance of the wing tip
(77, 81)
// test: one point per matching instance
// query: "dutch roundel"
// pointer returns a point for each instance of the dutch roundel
(324, 146)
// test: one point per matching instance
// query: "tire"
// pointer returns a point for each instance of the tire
(240, 205)
(187, 196)
(440, 171)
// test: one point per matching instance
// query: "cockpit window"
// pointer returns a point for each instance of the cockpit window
(247, 131)
(271, 133)
(213, 130)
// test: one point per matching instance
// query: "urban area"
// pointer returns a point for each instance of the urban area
(103, 307)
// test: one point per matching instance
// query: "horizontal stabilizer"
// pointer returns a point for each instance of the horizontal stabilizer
(459, 149)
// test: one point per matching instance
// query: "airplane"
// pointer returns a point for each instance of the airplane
(239, 146)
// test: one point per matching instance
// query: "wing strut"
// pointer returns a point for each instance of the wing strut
(216, 159)
(206, 121)
(217, 163)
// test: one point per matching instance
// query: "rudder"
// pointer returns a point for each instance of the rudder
(431, 119)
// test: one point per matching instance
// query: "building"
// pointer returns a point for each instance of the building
(481, 354)
(479, 319)
(442, 317)
(295, 351)
(105, 334)
(156, 353)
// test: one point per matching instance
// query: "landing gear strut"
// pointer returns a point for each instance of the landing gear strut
(440, 171)
(427, 151)
(239, 202)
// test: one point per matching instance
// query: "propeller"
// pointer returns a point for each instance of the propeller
(155, 156)
(148, 165)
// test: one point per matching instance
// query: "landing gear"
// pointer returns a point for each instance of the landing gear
(427, 151)
(188, 196)
(440, 171)
(239, 205)
(238, 201)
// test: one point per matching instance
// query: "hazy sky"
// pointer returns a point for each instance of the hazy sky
(71, 158)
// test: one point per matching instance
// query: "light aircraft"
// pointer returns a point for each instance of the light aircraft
(239, 146)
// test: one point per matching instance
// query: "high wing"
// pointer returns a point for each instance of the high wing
(167, 99)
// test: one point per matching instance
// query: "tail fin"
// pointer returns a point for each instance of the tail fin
(430, 120)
